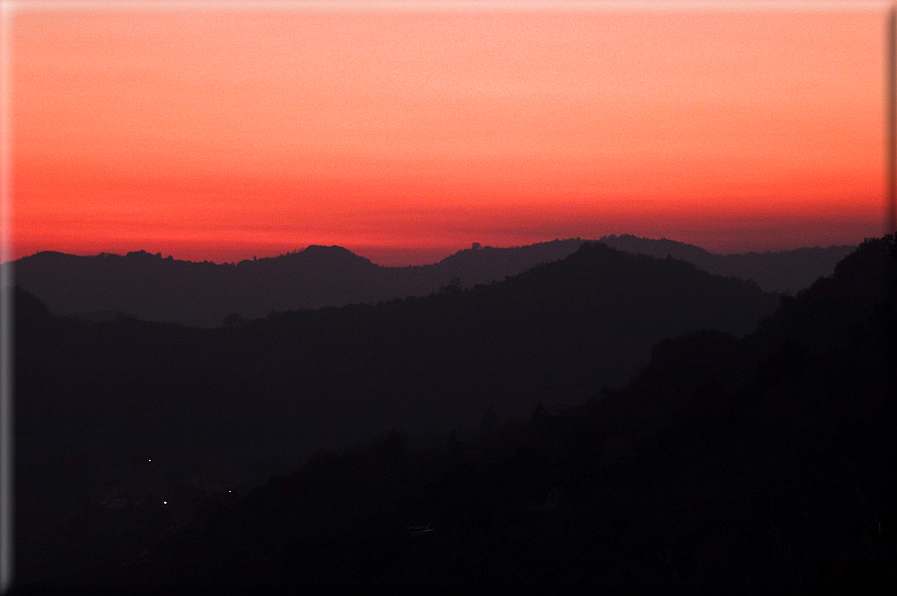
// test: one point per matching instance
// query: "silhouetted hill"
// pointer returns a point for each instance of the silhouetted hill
(786, 271)
(153, 288)
(850, 306)
(485, 264)
(96, 401)
(725, 466)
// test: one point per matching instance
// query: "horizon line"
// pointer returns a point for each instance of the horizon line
(473, 246)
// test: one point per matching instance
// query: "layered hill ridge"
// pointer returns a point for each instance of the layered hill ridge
(747, 462)
(786, 271)
(153, 288)
(725, 466)
(96, 400)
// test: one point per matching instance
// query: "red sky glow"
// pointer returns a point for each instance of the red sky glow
(214, 131)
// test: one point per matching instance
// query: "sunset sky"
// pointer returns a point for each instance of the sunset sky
(407, 131)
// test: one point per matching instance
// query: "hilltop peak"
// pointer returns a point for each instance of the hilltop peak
(335, 254)
(652, 246)
(333, 249)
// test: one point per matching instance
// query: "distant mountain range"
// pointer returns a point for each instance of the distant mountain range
(150, 287)
(786, 271)
(725, 466)
(715, 441)
(96, 400)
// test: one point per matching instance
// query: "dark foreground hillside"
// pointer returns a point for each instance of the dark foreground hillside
(725, 466)
(678, 478)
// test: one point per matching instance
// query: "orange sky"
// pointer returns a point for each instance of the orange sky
(209, 132)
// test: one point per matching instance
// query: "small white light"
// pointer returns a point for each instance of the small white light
(165, 502)
(228, 491)
(149, 460)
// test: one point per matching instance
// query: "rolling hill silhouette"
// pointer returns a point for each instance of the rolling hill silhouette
(786, 271)
(725, 465)
(97, 400)
(152, 288)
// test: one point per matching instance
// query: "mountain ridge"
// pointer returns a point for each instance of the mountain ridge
(778, 436)
(155, 288)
